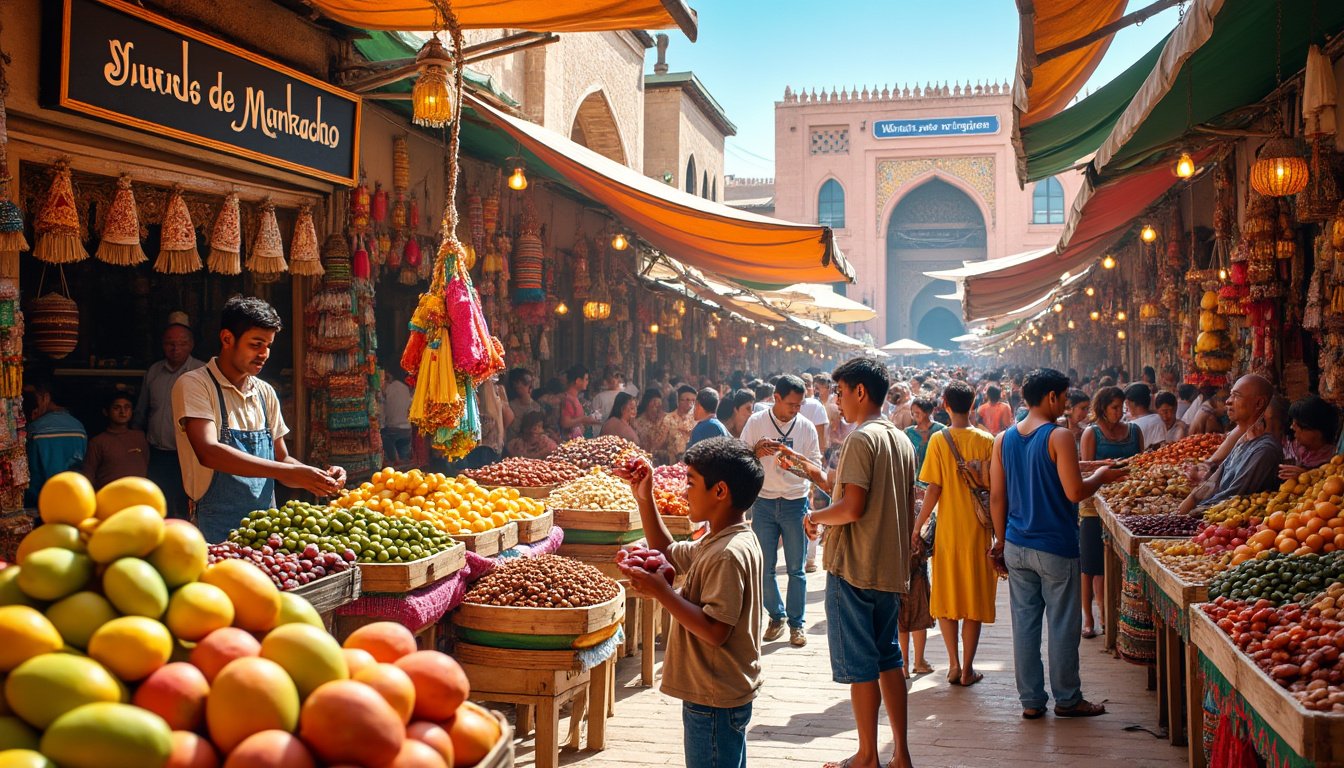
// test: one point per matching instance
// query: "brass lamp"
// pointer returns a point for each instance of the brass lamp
(518, 177)
(431, 99)
(1280, 168)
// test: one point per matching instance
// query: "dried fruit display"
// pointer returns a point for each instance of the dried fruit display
(1188, 560)
(1300, 649)
(525, 473)
(549, 581)
(598, 490)
(287, 570)
(669, 490)
(1135, 492)
(1331, 602)
(1166, 524)
(606, 451)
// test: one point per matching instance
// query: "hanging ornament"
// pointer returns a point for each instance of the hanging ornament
(303, 251)
(57, 224)
(336, 262)
(120, 245)
(177, 239)
(476, 220)
(359, 207)
(401, 164)
(268, 250)
(490, 210)
(226, 239)
(582, 281)
(413, 212)
(528, 261)
(360, 264)
(378, 208)
(12, 240)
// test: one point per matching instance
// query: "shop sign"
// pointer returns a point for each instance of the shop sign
(121, 63)
(928, 127)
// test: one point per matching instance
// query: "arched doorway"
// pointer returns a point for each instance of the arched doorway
(934, 226)
(595, 128)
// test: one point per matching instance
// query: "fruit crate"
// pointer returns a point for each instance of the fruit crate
(680, 526)
(399, 578)
(598, 520)
(501, 756)
(1318, 737)
(563, 625)
(1125, 540)
(536, 528)
(331, 592)
(537, 492)
(491, 542)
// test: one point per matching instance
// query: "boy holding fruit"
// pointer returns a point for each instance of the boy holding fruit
(713, 660)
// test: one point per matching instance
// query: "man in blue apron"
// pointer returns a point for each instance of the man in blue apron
(231, 436)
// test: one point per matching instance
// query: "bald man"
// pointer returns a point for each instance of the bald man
(1255, 454)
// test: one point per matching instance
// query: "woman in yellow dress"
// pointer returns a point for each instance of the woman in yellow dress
(964, 579)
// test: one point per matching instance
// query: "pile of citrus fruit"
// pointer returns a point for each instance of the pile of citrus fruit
(120, 647)
(454, 505)
(1315, 524)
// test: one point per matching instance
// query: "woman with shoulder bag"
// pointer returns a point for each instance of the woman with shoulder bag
(965, 579)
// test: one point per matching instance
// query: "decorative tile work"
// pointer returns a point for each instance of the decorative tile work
(830, 141)
(893, 176)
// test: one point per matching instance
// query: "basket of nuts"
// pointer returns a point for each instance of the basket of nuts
(543, 603)
(597, 508)
(534, 478)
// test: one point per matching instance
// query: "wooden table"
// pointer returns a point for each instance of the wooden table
(1315, 736)
(540, 683)
(1124, 547)
(1177, 660)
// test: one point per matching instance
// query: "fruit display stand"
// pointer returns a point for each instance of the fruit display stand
(1180, 686)
(594, 536)
(404, 577)
(536, 492)
(534, 529)
(680, 526)
(1282, 730)
(1121, 553)
(415, 594)
(491, 542)
(331, 592)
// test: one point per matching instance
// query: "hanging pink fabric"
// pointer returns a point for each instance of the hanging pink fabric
(471, 344)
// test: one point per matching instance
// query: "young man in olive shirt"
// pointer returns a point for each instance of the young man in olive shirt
(713, 660)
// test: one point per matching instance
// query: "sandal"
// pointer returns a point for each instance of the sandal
(1033, 714)
(975, 678)
(954, 677)
(839, 763)
(922, 668)
(1083, 708)
(1090, 633)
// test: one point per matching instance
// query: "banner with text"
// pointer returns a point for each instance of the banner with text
(124, 64)
(928, 127)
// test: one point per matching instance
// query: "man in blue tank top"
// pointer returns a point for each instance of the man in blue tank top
(1035, 486)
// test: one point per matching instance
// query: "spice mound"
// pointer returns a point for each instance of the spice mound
(596, 491)
(549, 581)
(524, 473)
(605, 451)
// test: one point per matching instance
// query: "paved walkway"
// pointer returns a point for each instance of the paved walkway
(802, 718)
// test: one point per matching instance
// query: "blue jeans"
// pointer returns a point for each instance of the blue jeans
(773, 519)
(716, 737)
(1040, 583)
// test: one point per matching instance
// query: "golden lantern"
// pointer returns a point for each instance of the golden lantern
(518, 177)
(561, 308)
(1090, 291)
(1094, 315)
(598, 305)
(1184, 167)
(619, 242)
(744, 341)
(680, 307)
(1280, 168)
(1147, 234)
(1121, 335)
(653, 328)
(1108, 262)
(1049, 337)
(431, 100)
(1122, 316)
(1072, 325)
(1059, 307)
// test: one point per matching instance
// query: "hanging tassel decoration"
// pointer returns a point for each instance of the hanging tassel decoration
(120, 244)
(12, 240)
(303, 251)
(177, 250)
(268, 250)
(226, 239)
(57, 224)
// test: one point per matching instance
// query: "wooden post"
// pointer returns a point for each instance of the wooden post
(1175, 680)
(1194, 706)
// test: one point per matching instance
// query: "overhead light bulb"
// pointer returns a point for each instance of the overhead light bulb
(1121, 335)
(744, 341)
(431, 101)
(1108, 262)
(1122, 316)
(1049, 337)
(653, 328)
(562, 309)
(619, 242)
(1094, 315)
(1148, 234)
(1058, 307)
(1184, 167)
(518, 179)
(1072, 325)
(1090, 291)
(1222, 275)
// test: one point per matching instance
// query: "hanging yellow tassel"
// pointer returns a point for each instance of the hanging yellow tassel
(268, 250)
(226, 239)
(57, 224)
(177, 241)
(305, 258)
(120, 245)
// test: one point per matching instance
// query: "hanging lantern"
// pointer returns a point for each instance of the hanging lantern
(1090, 291)
(518, 175)
(57, 223)
(598, 305)
(53, 324)
(1057, 308)
(1108, 262)
(619, 242)
(1072, 326)
(1148, 234)
(1184, 167)
(1280, 168)
(561, 308)
(431, 100)
(1094, 315)
(1122, 316)
(1121, 335)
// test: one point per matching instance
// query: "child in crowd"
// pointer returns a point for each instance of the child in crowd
(119, 451)
(713, 659)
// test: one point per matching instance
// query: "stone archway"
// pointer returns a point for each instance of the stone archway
(938, 327)
(595, 128)
(934, 226)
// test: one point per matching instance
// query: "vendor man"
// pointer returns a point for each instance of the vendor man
(231, 436)
(1253, 453)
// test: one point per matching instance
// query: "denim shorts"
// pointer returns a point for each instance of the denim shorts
(861, 629)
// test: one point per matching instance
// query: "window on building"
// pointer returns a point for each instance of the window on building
(690, 175)
(714, 189)
(831, 205)
(704, 185)
(1047, 202)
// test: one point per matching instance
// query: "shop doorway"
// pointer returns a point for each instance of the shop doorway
(934, 226)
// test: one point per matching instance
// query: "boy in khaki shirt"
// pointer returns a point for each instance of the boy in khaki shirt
(713, 660)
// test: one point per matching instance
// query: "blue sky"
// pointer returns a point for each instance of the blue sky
(750, 49)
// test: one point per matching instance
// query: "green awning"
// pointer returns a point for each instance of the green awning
(1225, 61)
(1060, 142)
(384, 46)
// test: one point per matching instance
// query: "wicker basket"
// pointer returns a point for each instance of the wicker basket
(54, 322)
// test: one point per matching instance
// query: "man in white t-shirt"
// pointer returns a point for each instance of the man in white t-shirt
(779, 509)
(814, 410)
(1139, 402)
(611, 387)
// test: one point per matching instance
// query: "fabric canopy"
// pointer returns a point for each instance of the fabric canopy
(1046, 89)
(820, 302)
(1058, 143)
(711, 236)
(529, 15)
(906, 347)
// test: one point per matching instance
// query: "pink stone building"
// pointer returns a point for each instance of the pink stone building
(912, 180)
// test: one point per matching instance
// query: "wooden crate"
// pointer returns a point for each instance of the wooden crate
(600, 556)
(508, 536)
(536, 528)
(1181, 592)
(331, 592)
(491, 542)
(1316, 736)
(541, 621)
(1124, 539)
(539, 492)
(403, 577)
(598, 520)
(680, 526)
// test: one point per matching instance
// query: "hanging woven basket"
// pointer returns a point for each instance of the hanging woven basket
(53, 321)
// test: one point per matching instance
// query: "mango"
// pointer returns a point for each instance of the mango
(182, 556)
(50, 535)
(25, 758)
(197, 609)
(16, 734)
(132, 647)
(176, 692)
(25, 633)
(256, 601)
(135, 588)
(133, 532)
(46, 687)
(108, 736)
(54, 573)
(10, 594)
(77, 616)
(310, 655)
(297, 610)
(248, 696)
(128, 492)
(66, 498)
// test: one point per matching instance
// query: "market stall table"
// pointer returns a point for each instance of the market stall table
(1275, 718)
(1123, 550)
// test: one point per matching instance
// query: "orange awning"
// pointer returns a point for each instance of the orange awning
(1046, 89)
(707, 235)
(529, 15)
